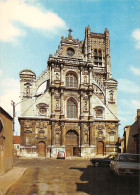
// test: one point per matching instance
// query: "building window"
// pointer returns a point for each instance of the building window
(71, 109)
(111, 138)
(99, 112)
(42, 110)
(70, 51)
(98, 61)
(28, 137)
(27, 90)
(71, 80)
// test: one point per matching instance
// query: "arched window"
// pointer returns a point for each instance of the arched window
(71, 109)
(71, 80)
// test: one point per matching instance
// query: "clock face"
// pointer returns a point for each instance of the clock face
(70, 51)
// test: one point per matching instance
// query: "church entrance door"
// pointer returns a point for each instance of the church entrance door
(41, 149)
(72, 143)
(100, 148)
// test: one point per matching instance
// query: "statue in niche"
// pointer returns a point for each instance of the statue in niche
(57, 104)
(85, 106)
(57, 141)
(85, 79)
(111, 97)
(86, 138)
(57, 76)
(27, 90)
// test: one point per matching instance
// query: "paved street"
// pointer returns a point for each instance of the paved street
(69, 177)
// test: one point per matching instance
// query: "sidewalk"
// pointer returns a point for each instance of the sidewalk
(9, 178)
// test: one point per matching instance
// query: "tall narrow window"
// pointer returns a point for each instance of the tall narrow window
(71, 109)
(71, 80)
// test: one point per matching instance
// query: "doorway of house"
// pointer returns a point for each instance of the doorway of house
(100, 148)
(41, 149)
(72, 143)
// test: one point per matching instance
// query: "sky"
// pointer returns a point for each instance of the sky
(30, 30)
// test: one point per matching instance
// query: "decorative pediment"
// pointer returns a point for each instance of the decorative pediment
(41, 131)
(100, 127)
(42, 105)
(27, 131)
(100, 132)
(27, 84)
(112, 132)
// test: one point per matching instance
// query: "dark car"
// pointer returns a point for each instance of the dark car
(102, 161)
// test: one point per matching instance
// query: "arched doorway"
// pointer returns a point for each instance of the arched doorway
(72, 141)
(100, 148)
(41, 149)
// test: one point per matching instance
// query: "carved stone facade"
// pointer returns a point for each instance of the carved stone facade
(77, 110)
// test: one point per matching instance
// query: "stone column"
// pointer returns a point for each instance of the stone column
(33, 134)
(82, 134)
(61, 104)
(81, 69)
(62, 134)
(52, 134)
(92, 134)
(90, 105)
(61, 75)
(52, 104)
(22, 133)
(81, 106)
(90, 76)
(52, 75)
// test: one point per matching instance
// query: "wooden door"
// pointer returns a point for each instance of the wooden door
(41, 149)
(71, 143)
(100, 148)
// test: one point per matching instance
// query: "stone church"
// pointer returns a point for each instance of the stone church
(76, 112)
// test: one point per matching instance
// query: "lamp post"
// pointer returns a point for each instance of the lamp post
(13, 105)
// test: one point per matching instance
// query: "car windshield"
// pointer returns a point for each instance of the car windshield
(129, 158)
(110, 157)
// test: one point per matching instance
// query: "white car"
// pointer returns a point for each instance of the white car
(126, 164)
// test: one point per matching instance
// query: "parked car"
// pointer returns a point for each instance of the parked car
(61, 155)
(102, 161)
(126, 164)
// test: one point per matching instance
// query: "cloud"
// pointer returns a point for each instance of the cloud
(128, 86)
(15, 12)
(136, 103)
(0, 72)
(136, 71)
(136, 36)
(10, 89)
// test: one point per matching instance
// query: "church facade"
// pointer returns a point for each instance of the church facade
(76, 112)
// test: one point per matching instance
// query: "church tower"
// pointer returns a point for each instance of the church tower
(77, 111)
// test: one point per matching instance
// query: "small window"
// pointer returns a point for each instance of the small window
(71, 109)
(70, 51)
(27, 90)
(99, 112)
(42, 110)
(71, 80)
